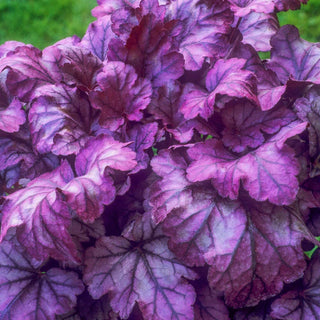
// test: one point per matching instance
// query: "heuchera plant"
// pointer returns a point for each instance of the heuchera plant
(158, 169)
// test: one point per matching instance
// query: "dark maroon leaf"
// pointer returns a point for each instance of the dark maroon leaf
(123, 95)
(27, 292)
(138, 267)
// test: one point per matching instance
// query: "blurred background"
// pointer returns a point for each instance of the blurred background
(43, 22)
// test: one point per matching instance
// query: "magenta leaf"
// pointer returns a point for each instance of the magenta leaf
(257, 248)
(138, 267)
(26, 291)
(245, 124)
(98, 36)
(60, 119)
(41, 216)
(225, 78)
(243, 7)
(293, 57)
(267, 173)
(107, 7)
(93, 188)
(303, 302)
(123, 95)
(258, 28)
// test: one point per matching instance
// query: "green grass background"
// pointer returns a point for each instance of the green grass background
(43, 22)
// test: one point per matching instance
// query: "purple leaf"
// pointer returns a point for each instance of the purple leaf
(93, 188)
(10, 46)
(202, 32)
(258, 28)
(164, 106)
(60, 119)
(123, 95)
(293, 57)
(29, 68)
(138, 267)
(308, 109)
(172, 191)
(41, 216)
(142, 137)
(243, 7)
(225, 78)
(98, 36)
(16, 150)
(303, 302)
(209, 305)
(256, 249)
(27, 292)
(284, 5)
(267, 173)
(259, 312)
(11, 113)
(245, 124)
(107, 7)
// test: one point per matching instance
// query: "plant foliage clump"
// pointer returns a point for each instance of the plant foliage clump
(158, 169)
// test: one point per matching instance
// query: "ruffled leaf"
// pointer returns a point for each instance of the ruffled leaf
(268, 172)
(225, 78)
(123, 95)
(60, 120)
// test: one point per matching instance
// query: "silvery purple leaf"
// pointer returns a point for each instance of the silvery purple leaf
(202, 31)
(30, 68)
(303, 302)
(98, 36)
(27, 292)
(122, 97)
(60, 119)
(93, 187)
(41, 216)
(9, 46)
(172, 190)
(245, 124)
(258, 28)
(107, 7)
(257, 248)
(228, 78)
(294, 58)
(141, 270)
(267, 173)
(243, 7)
